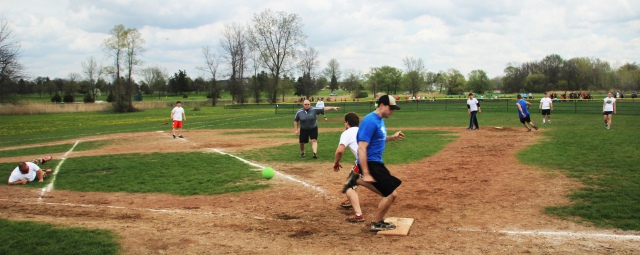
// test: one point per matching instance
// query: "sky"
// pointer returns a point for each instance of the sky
(56, 36)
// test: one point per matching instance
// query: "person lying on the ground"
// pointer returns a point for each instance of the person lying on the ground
(27, 172)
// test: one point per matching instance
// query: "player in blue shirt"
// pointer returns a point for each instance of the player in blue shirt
(523, 113)
(372, 138)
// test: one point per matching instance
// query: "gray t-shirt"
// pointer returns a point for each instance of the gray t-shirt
(308, 119)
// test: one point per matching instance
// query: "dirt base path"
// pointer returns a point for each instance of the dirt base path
(473, 197)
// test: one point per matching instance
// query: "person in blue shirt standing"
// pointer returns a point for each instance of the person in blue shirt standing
(372, 138)
(524, 115)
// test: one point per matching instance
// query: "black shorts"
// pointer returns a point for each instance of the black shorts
(546, 111)
(306, 134)
(525, 119)
(385, 182)
(607, 113)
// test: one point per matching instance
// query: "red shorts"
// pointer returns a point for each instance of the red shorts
(177, 124)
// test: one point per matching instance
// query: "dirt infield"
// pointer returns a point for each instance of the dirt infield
(473, 197)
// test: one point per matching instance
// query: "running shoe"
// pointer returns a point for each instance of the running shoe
(355, 218)
(382, 226)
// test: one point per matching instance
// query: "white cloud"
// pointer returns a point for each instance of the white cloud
(57, 36)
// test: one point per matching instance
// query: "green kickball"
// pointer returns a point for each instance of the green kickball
(268, 172)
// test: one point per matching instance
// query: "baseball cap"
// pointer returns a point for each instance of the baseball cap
(390, 101)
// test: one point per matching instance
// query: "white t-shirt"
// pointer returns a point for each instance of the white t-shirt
(608, 104)
(473, 104)
(177, 113)
(546, 103)
(16, 175)
(349, 139)
(320, 104)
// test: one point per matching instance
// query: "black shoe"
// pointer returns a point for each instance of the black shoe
(529, 130)
(535, 127)
(382, 226)
(174, 136)
(352, 181)
(302, 154)
(315, 156)
(180, 136)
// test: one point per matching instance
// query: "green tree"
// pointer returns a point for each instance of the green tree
(478, 82)
(385, 78)
(413, 78)
(180, 83)
(333, 73)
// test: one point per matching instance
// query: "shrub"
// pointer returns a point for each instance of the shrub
(362, 94)
(111, 98)
(56, 98)
(185, 95)
(88, 98)
(68, 98)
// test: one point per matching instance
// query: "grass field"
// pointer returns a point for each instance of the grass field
(576, 145)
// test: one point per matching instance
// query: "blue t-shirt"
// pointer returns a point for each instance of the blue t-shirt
(373, 131)
(523, 103)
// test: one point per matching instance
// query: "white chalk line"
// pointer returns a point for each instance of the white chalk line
(278, 173)
(49, 187)
(548, 233)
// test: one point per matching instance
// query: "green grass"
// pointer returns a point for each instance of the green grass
(41, 151)
(173, 173)
(25, 237)
(396, 152)
(606, 161)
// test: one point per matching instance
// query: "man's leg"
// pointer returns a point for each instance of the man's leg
(609, 119)
(173, 128)
(475, 120)
(301, 149)
(39, 175)
(384, 206)
(314, 146)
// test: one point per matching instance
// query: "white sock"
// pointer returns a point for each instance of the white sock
(543, 121)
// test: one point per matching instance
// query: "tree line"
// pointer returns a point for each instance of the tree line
(267, 59)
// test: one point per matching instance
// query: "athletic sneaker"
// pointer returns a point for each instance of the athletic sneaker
(607, 127)
(315, 156)
(48, 171)
(302, 154)
(535, 127)
(352, 181)
(180, 136)
(46, 159)
(174, 136)
(346, 204)
(529, 130)
(355, 218)
(382, 226)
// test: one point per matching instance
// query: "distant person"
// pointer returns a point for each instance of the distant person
(524, 115)
(348, 139)
(27, 172)
(307, 118)
(473, 108)
(546, 106)
(320, 104)
(177, 115)
(608, 109)
(372, 138)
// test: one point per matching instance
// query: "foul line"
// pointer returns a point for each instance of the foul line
(558, 233)
(55, 172)
(286, 176)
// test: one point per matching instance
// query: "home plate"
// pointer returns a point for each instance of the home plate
(402, 226)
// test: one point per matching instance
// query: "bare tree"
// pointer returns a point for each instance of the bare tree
(211, 62)
(333, 73)
(135, 49)
(235, 51)
(276, 36)
(10, 67)
(156, 78)
(309, 61)
(93, 71)
(115, 47)
(414, 76)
